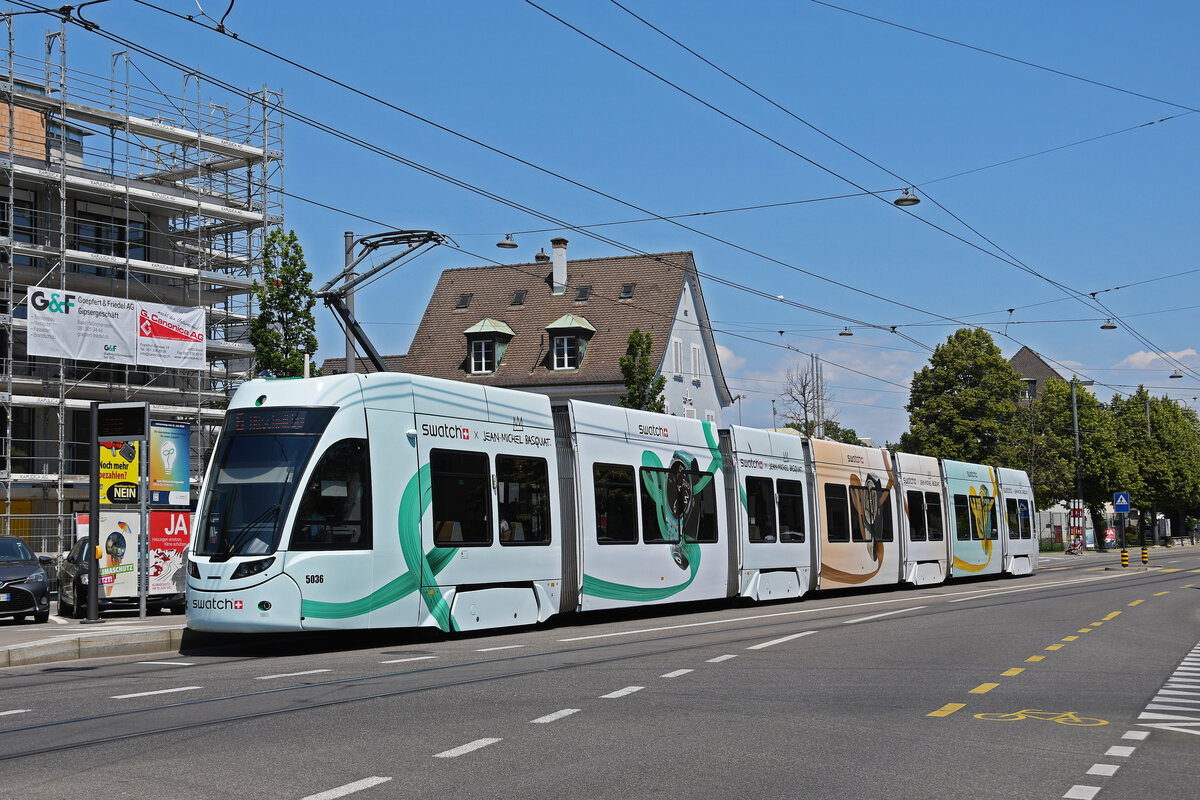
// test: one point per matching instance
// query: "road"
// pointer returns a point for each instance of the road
(1080, 681)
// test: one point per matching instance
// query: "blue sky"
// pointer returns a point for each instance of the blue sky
(1117, 211)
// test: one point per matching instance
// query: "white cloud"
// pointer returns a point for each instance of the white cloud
(729, 361)
(1143, 359)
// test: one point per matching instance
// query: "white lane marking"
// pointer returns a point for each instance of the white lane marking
(774, 642)
(622, 692)
(884, 614)
(719, 659)
(291, 674)
(503, 647)
(170, 663)
(466, 748)
(15, 711)
(159, 691)
(1104, 770)
(1183, 692)
(349, 788)
(755, 617)
(1136, 736)
(1162, 697)
(1079, 792)
(676, 673)
(410, 658)
(566, 712)
(1119, 751)
(58, 621)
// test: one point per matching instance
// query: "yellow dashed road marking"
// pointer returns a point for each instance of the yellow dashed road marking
(1034, 659)
(1094, 569)
(1084, 630)
(1056, 569)
(1056, 647)
(1136, 603)
(946, 710)
(1069, 638)
(1009, 673)
(1113, 615)
(1173, 569)
(983, 688)
(1160, 594)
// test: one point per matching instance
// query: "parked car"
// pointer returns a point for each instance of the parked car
(23, 588)
(73, 591)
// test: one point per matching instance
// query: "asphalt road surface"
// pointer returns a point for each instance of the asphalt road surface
(1081, 681)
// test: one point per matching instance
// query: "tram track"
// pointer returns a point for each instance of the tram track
(563, 658)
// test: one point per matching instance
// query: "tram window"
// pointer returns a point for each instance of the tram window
(916, 516)
(461, 485)
(791, 511)
(335, 510)
(678, 501)
(962, 518)
(1026, 519)
(1013, 518)
(837, 512)
(524, 491)
(987, 508)
(760, 509)
(616, 510)
(861, 500)
(933, 515)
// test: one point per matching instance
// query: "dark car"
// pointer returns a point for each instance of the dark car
(73, 590)
(24, 590)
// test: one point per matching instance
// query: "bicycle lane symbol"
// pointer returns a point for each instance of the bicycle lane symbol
(1061, 717)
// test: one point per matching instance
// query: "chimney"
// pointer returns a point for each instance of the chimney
(559, 246)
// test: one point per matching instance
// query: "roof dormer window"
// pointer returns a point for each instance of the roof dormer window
(486, 342)
(569, 337)
(582, 294)
(518, 298)
(464, 300)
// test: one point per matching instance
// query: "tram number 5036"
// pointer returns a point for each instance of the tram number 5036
(314, 578)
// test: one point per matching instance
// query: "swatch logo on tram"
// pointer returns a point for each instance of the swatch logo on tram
(445, 431)
(653, 430)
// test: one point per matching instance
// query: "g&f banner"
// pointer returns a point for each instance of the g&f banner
(114, 330)
(170, 461)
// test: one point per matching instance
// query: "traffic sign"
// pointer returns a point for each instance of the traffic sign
(1121, 502)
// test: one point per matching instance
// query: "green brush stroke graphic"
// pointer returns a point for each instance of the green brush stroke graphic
(422, 567)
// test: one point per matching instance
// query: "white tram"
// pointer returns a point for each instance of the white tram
(391, 500)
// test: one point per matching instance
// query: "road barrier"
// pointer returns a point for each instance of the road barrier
(1145, 555)
(1124, 557)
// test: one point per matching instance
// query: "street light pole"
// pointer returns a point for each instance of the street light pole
(1031, 384)
(1099, 541)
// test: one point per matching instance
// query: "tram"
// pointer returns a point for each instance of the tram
(389, 500)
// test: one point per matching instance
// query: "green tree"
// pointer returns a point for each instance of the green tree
(1163, 441)
(284, 330)
(963, 405)
(643, 390)
(833, 431)
(1105, 464)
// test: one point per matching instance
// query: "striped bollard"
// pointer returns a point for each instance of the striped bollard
(1145, 555)
(1124, 557)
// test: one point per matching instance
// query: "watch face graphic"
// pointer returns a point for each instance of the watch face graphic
(680, 495)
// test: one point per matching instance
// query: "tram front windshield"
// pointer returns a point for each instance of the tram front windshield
(261, 457)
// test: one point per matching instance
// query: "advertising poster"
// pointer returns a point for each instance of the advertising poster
(114, 330)
(119, 541)
(170, 459)
(119, 473)
(85, 326)
(170, 336)
(170, 532)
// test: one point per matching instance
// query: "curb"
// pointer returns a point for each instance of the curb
(93, 645)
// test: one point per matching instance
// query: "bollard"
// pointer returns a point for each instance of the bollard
(1145, 555)
(1124, 557)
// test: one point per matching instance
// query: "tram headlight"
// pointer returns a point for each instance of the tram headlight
(248, 568)
(193, 570)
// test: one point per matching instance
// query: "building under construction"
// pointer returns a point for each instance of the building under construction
(111, 186)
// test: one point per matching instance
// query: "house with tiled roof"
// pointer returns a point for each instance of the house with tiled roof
(559, 327)
(1034, 370)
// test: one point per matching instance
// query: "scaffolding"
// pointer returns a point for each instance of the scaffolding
(111, 186)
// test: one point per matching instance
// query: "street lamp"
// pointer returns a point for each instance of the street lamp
(1078, 476)
(1031, 394)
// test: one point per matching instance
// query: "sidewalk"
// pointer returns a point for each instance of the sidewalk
(24, 643)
